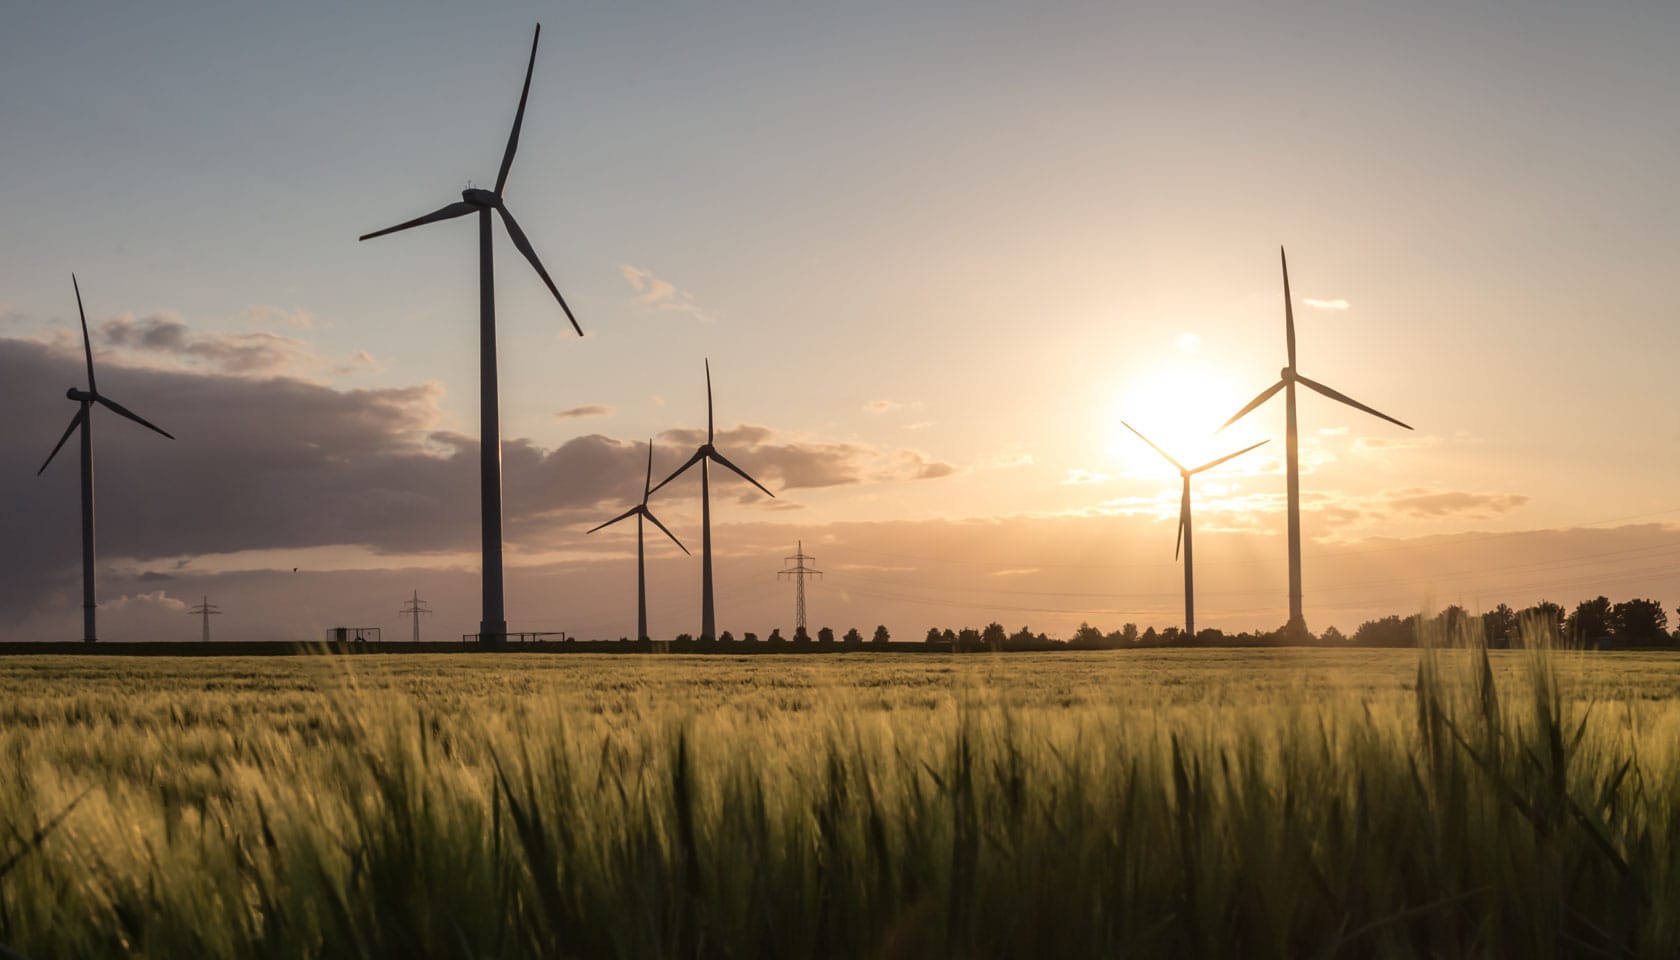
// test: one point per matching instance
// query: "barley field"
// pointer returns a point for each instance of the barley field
(1205, 803)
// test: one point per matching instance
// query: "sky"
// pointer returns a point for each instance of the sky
(935, 256)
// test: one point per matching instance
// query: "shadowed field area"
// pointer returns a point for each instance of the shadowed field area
(1166, 802)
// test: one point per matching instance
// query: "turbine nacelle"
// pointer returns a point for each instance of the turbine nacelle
(480, 197)
(79, 395)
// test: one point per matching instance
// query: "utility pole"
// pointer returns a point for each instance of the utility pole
(798, 572)
(414, 608)
(206, 610)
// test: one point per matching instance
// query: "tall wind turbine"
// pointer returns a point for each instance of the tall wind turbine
(493, 627)
(1184, 530)
(1286, 382)
(82, 420)
(708, 452)
(640, 511)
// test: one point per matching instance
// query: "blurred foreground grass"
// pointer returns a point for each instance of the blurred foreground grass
(1289, 803)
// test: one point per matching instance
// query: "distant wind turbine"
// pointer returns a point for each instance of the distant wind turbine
(708, 452)
(1286, 382)
(1184, 529)
(639, 511)
(493, 626)
(87, 398)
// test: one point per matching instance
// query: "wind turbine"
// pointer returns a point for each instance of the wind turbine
(87, 398)
(1184, 530)
(493, 627)
(708, 452)
(640, 511)
(1288, 378)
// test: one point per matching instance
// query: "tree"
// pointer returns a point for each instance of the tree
(800, 637)
(1590, 624)
(1021, 639)
(993, 636)
(852, 638)
(933, 635)
(749, 637)
(1129, 634)
(1149, 638)
(825, 638)
(776, 639)
(968, 640)
(1086, 637)
(1542, 622)
(1333, 637)
(881, 636)
(726, 637)
(1639, 623)
(1171, 635)
(1499, 626)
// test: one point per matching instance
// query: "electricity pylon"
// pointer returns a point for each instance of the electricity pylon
(414, 608)
(798, 572)
(206, 610)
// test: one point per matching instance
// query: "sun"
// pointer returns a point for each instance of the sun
(1179, 403)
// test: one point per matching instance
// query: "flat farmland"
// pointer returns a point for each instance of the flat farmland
(1290, 802)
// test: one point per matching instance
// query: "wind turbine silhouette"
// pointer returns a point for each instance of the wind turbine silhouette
(1286, 382)
(87, 398)
(493, 627)
(639, 511)
(1184, 530)
(708, 452)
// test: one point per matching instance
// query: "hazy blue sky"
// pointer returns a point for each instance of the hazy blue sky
(958, 240)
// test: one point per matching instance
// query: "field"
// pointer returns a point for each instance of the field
(1147, 803)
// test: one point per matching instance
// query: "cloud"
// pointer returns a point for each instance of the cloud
(1325, 304)
(296, 317)
(919, 425)
(792, 463)
(1080, 477)
(588, 410)
(163, 340)
(661, 295)
(1419, 502)
(1014, 572)
(878, 407)
(156, 599)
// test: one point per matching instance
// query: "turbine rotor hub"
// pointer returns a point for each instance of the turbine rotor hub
(79, 395)
(480, 197)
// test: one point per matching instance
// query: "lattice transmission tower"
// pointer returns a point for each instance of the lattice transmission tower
(414, 609)
(206, 610)
(798, 572)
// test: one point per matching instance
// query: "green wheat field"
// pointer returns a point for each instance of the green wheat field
(1178, 803)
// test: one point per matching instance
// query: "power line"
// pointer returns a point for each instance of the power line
(206, 610)
(798, 572)
(415, 608)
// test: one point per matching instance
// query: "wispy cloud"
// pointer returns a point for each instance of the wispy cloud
(1419, 502)
(661, 295)
(919, 425)
(1337, 304)
(587, 410)
(1081, 478)
(878, 407)
(1014, 572)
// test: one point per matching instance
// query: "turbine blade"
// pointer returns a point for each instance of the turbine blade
(524, 245)
(711, 434)
(1344, 398)
(1152, 445)
(123, 411)
(647, 485)
(1229, 456)
(87, 344)
(724, 461)
(1265, 395)
(460, 208)
(623, 516)
(661, 526)
(1288, 309)
(698, 455)
(518, 116)
(75, 422)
